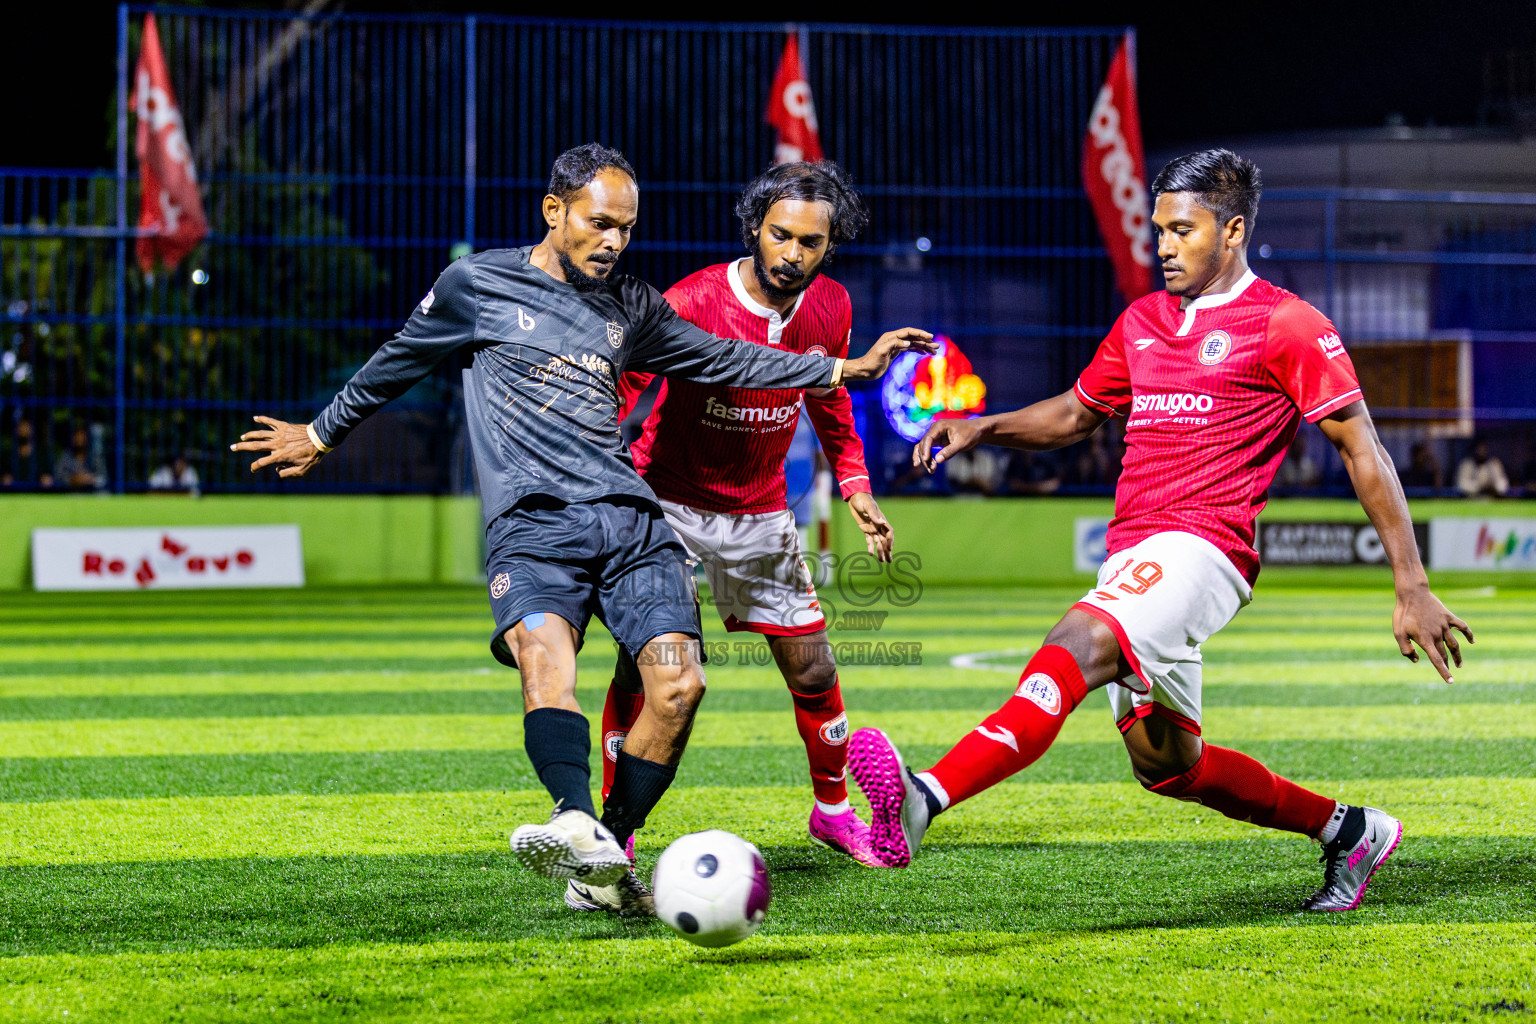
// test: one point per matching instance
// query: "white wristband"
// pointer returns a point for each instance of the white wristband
(314, 438)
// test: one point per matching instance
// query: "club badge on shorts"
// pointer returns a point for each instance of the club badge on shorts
(500, 585)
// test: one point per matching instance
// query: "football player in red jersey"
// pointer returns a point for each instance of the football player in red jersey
(715, 458)
(1213, 376)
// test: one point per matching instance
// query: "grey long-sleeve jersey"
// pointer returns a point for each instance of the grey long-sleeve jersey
(541, 393)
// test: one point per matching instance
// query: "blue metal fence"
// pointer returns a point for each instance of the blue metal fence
(345, 159)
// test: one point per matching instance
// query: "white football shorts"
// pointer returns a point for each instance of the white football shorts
(1163, 598)
(757, 576)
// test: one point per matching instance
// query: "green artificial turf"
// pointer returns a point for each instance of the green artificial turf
(294, 806)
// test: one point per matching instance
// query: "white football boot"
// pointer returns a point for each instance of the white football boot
(572, 844)
(1366, 839)
(628, 897)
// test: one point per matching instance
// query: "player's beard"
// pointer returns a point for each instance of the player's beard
(1208, 267)
(580, 279)
(773, 291)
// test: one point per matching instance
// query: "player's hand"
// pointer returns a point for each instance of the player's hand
(287, 445)
(951, 437)
(877, 360)
(878, 537)
(1420, 618)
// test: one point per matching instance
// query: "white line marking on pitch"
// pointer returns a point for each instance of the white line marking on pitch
(978, 660)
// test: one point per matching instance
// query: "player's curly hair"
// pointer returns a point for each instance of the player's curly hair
(820, 182)
(576, 167)
(1221, 181)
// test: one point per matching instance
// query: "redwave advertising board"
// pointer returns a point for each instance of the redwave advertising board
(172, 557)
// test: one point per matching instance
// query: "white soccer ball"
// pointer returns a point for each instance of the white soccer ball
(712, 888)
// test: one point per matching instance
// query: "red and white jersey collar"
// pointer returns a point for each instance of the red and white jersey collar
(1212, 301)
(776, 323)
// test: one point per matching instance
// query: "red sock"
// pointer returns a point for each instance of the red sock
(824, 729)
(1016, 734)
(619, 713)
(1240, 787)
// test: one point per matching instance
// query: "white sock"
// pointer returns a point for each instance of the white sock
(1331, 829)
(833, 809)
(934, 788)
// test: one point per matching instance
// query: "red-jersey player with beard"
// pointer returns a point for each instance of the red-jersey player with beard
(1213, 376)
(715, 458)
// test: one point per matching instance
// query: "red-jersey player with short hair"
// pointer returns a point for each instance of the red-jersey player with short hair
(1213, 377)
(715, 458)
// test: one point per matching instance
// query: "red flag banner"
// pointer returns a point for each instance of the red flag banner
(791, 111)
(170, 209)
(1115, 176)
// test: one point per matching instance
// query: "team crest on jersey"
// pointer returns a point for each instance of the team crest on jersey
(816, 350)
(500, 585)
(1214, 347)
(835, 732)
(1041, 689)
(615, 334)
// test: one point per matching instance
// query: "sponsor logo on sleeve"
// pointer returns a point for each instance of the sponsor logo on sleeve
(1041, 689)
(615, 334)
(1214, 347)
(426, 301)
(500, 585)
(1332, 345)
(835, 732)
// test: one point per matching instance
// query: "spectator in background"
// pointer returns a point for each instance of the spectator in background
(78, 468)
(1480, 474)
(176, 475)
(978, 471)
(1298, 469)
(1423, 468)
(18, 463)
(1031, 473)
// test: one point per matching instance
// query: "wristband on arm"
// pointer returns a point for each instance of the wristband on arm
(314, 439)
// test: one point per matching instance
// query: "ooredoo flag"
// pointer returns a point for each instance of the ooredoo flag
(170, 208)
(1115, 176)
(791, 111)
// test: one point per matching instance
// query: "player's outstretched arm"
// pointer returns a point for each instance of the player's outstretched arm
(1052, 423)
(873, 364)
(289, 446)
(1419, 617)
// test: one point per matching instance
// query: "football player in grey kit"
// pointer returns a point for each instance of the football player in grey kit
(571, 528)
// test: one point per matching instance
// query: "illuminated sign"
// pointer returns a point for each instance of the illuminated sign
(919, 388)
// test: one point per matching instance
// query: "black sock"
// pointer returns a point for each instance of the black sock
(559, 743)
(1350, 829)
(637, 785)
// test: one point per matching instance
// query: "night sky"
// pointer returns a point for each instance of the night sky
(1207, 71)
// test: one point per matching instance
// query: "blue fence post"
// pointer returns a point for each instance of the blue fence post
(470, 130)
(1331, 253)
(120, 285)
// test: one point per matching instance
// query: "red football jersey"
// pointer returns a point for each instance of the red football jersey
(721, 448)
(1212, 395)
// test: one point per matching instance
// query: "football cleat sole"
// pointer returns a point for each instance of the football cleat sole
(876, 765)
(549, 852)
